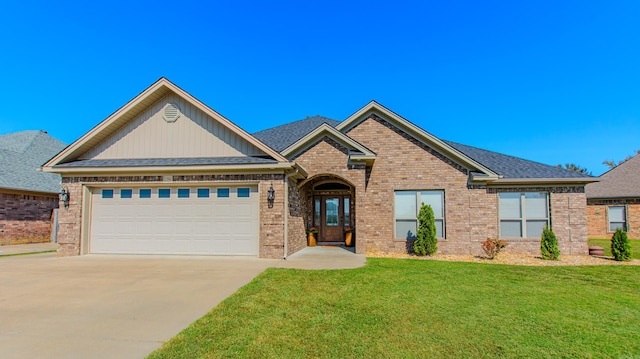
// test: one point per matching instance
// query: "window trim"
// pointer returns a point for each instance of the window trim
(523, 218)
(624, 217)
(418, 205)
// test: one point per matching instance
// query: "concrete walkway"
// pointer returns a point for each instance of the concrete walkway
(28, 248)
(116, 306)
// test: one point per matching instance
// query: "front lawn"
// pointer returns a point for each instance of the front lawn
(606, 244)
(413, 308)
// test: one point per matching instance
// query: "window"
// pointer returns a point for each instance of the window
(523, 215)
(407, 206)
(617, 218)
(203, 193)
(164, 193)
(107, 193)
(347, 209)
(145, 193)
(244, 192)
(223, 192)
(183, 193)
(126, 193)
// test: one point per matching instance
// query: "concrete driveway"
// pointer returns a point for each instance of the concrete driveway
(122, 306)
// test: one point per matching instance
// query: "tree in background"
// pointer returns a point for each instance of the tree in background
(575, 168)
(613, 164)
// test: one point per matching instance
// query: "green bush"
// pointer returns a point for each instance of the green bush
(492, 247)
(549, 245)
(620, 246)
(426, 242)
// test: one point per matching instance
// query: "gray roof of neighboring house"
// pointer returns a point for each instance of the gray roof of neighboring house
(622, 181)
(148, 162)
(21, 154)
(283, 136)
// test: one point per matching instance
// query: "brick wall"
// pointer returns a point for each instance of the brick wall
(271, 219)
(597, 220)
(26, 218)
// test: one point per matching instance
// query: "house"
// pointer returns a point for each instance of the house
(27, 196)
(614, 202)
(166, 174)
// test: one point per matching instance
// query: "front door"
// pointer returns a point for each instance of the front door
(334, 216)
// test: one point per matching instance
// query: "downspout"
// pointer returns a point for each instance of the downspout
(286, 212)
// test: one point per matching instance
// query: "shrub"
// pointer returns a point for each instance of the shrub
(426, 242)
(620, 246)
(549, 245)
(492, 247)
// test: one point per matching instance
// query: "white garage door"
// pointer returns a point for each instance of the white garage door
(187, 220)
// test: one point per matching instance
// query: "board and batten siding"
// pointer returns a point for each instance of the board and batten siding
(193, 134)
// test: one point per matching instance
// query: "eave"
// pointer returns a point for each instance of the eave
(253, 168)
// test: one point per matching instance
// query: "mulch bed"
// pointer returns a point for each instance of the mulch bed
(514, 259)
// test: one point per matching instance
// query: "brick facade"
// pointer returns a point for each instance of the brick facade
(403, 163)
(26, 218)
(597, 220)
(272, 226)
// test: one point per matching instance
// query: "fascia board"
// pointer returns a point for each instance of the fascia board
(537, 181)
(171, 169)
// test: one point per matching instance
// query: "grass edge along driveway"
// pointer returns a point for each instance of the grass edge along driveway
(413, 308)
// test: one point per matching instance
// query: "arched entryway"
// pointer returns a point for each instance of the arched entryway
(332, 208)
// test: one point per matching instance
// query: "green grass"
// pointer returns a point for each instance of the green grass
(606, 244)
(25, 254)
(410, 308)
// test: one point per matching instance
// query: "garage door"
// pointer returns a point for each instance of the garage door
(187, 220)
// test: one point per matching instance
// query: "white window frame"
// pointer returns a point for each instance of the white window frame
(523, 214)
(418, 205)
(624, 218)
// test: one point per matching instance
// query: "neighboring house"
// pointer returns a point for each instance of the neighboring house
(27, 196)
(614, 202)
(165, 174)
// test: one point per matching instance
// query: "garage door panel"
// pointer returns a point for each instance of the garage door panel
(193, 225)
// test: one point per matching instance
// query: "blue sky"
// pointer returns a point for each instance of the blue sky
(550, 81)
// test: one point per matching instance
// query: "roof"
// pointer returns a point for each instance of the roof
(514, 167)
(283, 136)
(508, 167)
(145, 162)
(622, 181)
(22, 154)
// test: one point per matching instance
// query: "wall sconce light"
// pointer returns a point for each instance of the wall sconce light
(64, 197)
(271, 196)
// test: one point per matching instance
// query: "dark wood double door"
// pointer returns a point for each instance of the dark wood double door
(332, 213)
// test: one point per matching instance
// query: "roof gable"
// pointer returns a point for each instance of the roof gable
(21, 154)
(374, 108)
(114, 137)
(357, 152)
(622, 181)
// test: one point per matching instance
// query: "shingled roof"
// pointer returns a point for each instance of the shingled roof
(283, 136)
(21, 154)
(508, 167)
(622, 181)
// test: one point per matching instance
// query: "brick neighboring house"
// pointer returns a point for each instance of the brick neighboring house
(166, 174)
(614, 202)
(27, 196)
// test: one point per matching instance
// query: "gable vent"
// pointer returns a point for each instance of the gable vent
(170, 113)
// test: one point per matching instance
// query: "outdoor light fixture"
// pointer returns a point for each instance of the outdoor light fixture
(64, 197)
(271, 196)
